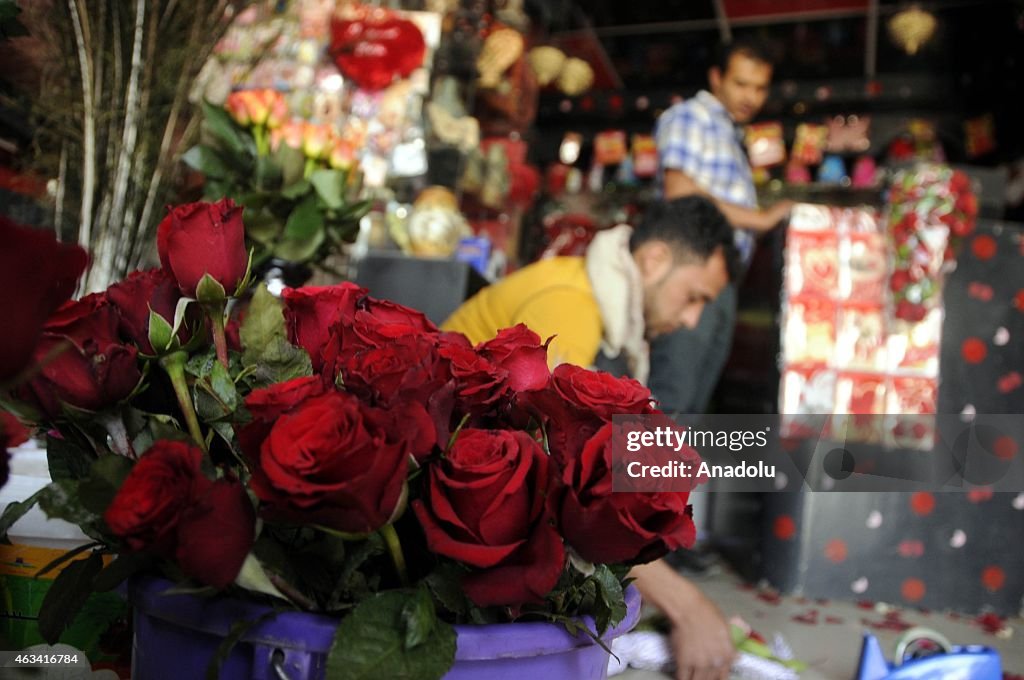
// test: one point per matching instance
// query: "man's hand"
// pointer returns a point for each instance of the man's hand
(700, 640)
(778, 212)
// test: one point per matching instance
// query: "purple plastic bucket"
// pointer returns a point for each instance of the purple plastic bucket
(176, 635)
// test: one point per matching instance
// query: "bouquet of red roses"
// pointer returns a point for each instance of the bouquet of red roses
(328, 449)
(930, 209)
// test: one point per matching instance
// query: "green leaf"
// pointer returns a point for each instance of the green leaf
(299, 251)
(444, 582)
(263, 226)
(201, 365)
(66, 595)
(267, 173)
(371, 643)
(221, 126)
(207, 161)
(265, 343)
(304, 221)
(160, 332)
(10, 27)
(118, 571)
(330, 187)
(66, 460)
(216, 396)
(292, 163)
(296, 189)
(210, 291)
(303, 232)
(16, 510)
(69, 555)
(610, 603)
(61, 500)
(97, 491)
(350, 581)
(419, 618)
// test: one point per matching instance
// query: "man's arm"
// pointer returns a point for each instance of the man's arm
(701, 641)
(678, 183)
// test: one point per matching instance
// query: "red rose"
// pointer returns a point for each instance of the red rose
(268, 404)
(204, 238)
(216, 533)
(142, 291)
(86, 365)
(518, 350)
(387, 312)
(376, 323)
(959, 182)
(37, 274)
(332, 461)
(479, 383)
(408, 368)
(600, 393)
(579, 401)
(485, 506)
(967, 203)
(899, 280)
(311, 313)
(608, 527)
(166, 506)
(908, 311)
(12, 433)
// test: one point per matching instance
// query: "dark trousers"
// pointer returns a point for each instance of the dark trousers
(686, 364)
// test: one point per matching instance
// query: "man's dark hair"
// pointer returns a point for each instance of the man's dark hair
(754, 49)
(693, 227)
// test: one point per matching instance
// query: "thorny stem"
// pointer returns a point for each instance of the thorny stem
(174, 365)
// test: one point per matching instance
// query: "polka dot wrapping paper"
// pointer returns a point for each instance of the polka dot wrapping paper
(937, 551)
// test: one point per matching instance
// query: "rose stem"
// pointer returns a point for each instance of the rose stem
(174, 365)
(220, 341)
(395, 549)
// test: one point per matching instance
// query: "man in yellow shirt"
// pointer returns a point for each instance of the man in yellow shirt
(602, 308)
(632, 285)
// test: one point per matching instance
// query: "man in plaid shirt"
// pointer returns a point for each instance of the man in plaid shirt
(700, 148)
(701, 151)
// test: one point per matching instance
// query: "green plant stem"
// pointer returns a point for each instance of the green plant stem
(174, 365)
(220, 340)
(309, 168)
(395, 550)
(259, 135)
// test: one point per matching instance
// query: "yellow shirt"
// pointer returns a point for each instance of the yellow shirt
(552, 297)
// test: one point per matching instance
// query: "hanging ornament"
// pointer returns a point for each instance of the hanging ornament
(912, 28)
(373, 47)
(576, 77)
(546, 62)
(501, 50)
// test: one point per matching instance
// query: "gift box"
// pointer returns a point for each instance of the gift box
(812, 261)
(860, 337)
(809, 333)
(944, 551)
(863, 267)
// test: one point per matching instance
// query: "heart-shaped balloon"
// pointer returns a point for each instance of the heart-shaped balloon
(375, 49)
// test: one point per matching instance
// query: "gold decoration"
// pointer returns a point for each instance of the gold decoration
(912, 28)
(576, 77)
(546, 62)
(436, 197)
(501, 49)
(463, 132)
(436, 232)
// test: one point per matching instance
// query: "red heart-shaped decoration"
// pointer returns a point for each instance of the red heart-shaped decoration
(372, 51)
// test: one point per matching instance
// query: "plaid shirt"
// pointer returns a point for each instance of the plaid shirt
(699, 138)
